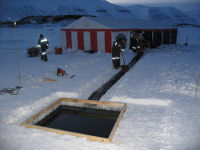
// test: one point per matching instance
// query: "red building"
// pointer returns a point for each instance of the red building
(98, 34)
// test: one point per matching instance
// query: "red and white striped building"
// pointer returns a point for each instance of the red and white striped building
(98, 34)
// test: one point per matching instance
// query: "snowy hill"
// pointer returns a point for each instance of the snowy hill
(195, 15)
(163, 14)
(17, 10)
(23, 8)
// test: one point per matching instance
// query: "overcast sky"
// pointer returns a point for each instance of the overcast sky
(185, 5)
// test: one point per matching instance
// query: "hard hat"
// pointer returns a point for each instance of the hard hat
(121, 37)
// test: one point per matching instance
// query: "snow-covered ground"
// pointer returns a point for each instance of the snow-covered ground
(162, 112)
(89, 70)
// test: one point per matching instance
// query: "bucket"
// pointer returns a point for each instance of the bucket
(58, 50)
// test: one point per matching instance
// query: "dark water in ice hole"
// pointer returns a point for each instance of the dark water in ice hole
(81, 120)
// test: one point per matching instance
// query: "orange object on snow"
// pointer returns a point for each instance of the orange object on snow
(61, 72)
(58, 50)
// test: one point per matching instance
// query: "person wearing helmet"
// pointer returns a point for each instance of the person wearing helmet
(118, 45)
(43, 44)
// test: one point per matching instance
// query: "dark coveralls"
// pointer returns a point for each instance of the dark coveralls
(116, 54)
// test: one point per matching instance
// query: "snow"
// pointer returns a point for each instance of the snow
(195, 14)
(22, 8)
(162, 112)
(16, 10)
(108, 23)
(161, 14)
(86, 23)
(86, 79)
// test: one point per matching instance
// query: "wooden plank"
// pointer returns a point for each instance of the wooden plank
(117, 122)
(41, 112)
(62, 132)
(48, 80)
(92, 102)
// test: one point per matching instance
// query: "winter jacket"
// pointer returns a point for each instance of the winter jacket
(43, 42)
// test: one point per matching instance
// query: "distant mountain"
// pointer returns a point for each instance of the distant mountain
(161, 14)
(195, 15)
(18, 9)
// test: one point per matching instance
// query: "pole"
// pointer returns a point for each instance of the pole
(17, 53)
(198, 80)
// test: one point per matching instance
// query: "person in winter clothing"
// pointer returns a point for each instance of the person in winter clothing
(43, 44)
(118, 45)
(116, 54)
(138, 42)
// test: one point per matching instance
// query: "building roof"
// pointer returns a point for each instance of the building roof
(113, 23)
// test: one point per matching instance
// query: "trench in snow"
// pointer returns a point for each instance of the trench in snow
(96, 95)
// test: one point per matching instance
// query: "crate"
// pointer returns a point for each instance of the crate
(58, 50)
